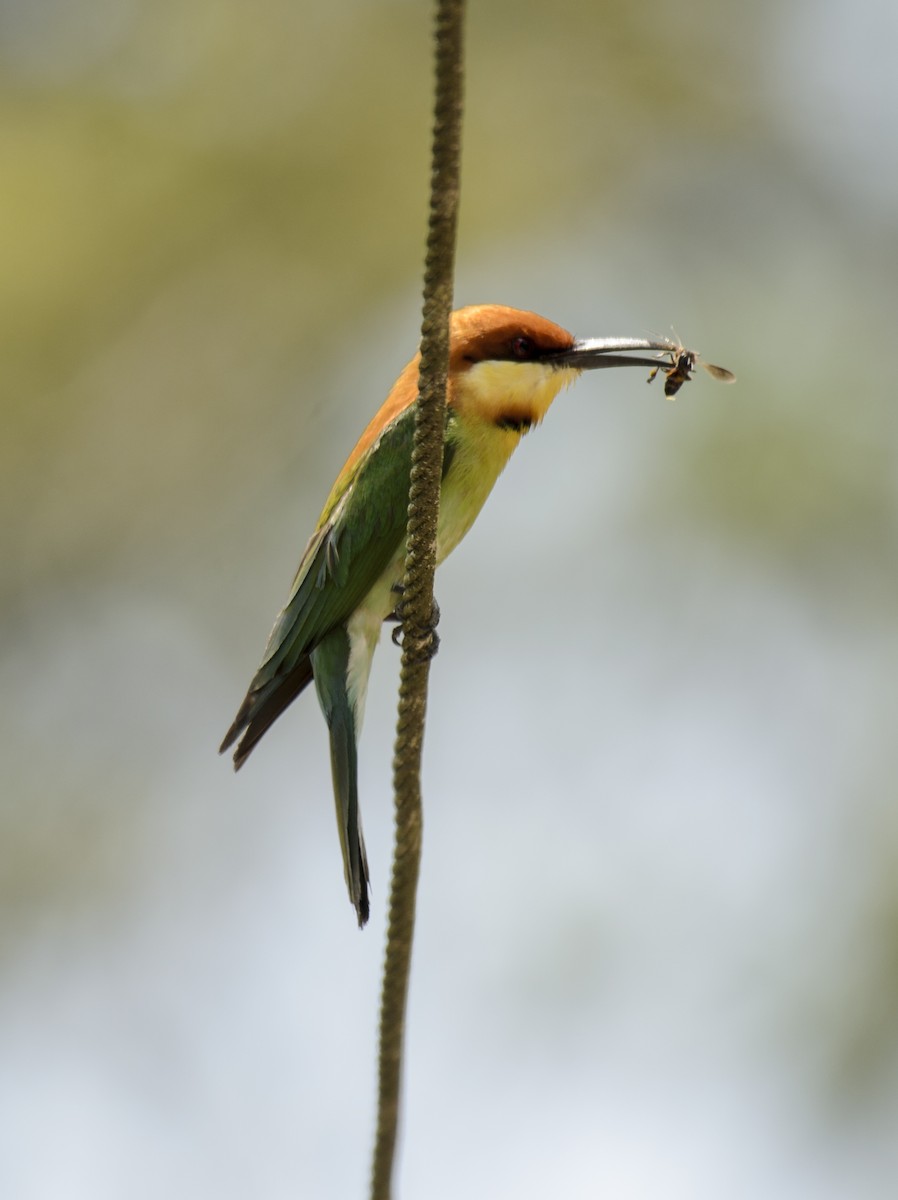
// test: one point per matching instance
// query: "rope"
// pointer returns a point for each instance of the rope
(419, 635)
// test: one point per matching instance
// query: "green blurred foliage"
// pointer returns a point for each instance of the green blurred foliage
(199, 203)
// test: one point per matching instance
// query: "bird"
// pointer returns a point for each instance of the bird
(506, 367)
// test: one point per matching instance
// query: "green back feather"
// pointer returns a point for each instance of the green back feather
(348, 553)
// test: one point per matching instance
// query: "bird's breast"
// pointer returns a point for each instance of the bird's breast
(479, 454)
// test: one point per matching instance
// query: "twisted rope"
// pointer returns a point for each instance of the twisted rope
(419, 635)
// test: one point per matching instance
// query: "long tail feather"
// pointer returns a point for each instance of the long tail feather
(330, 663)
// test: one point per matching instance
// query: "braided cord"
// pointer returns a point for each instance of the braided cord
(419, 635)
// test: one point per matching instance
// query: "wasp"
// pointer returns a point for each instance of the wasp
(683, 364)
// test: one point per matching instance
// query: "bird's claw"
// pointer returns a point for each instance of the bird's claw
(429, 643)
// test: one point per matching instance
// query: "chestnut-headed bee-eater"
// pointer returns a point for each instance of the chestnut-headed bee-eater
(505, 369)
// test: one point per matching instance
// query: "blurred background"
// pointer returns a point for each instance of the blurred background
(658, 922)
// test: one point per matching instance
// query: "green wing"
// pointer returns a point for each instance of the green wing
(345, 557)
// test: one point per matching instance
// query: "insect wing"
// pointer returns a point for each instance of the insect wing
(721, 374)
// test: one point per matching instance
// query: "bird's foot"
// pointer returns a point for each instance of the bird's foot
(429, 641)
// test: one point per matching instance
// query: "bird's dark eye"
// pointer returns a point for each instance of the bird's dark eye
(522, 347)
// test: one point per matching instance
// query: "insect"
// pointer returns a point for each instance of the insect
(680, 370)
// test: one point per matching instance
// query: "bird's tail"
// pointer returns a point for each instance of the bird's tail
(330, 665)
(262, 707)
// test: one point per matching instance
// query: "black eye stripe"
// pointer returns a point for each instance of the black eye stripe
(509, 346)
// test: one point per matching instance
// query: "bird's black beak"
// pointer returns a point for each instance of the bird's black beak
(588, 353)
